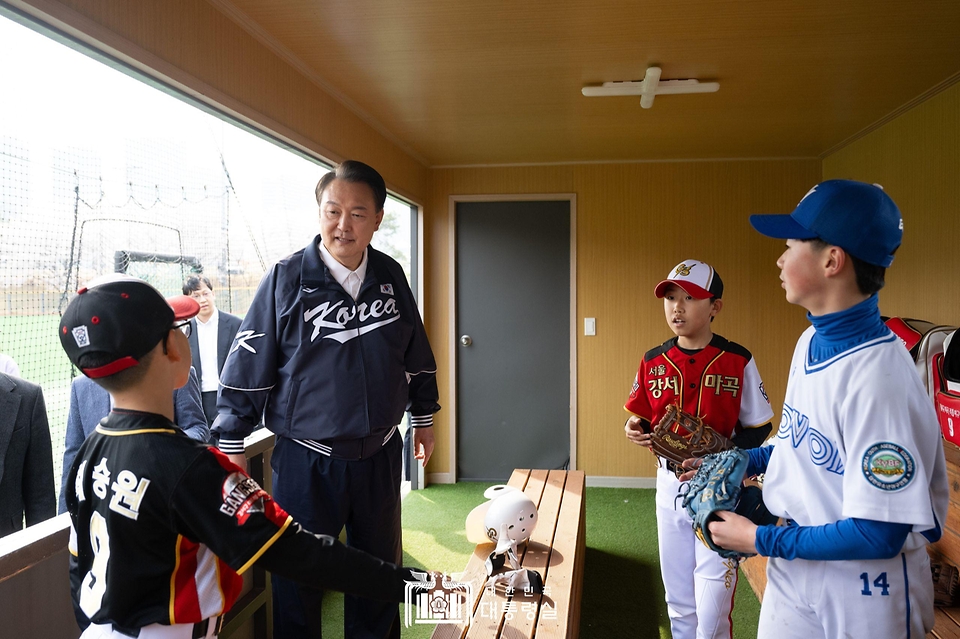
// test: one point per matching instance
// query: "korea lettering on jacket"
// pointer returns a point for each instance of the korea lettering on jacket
(339, 317)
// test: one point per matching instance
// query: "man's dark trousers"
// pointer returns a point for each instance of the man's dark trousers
(209, 401)
(324, 494)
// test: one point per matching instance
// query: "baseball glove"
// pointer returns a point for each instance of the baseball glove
(944, 583)
(680, 435)
(718, 485)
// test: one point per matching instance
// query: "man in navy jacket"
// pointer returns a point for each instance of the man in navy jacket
(331, 353)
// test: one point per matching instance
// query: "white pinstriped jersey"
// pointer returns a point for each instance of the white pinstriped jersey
(858, 438)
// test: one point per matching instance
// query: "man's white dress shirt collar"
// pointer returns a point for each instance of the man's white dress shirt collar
(349, 280)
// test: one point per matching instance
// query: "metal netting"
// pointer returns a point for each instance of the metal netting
(65, 220)
(100, 172)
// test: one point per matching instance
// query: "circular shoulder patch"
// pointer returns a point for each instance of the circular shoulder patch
(888, 466)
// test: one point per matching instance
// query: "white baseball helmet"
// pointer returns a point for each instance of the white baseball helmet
(480, 521)
(508, 519)
(512, 515)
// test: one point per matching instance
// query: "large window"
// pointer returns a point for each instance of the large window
(100, 171)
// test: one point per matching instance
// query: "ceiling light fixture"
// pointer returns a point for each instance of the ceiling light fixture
(650, 86)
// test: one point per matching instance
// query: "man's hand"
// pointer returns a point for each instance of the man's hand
(734, 532)
(423, 443)
(240, 460)
(634, 431)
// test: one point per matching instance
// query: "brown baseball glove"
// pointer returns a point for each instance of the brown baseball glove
(944, 583)
(680, 435)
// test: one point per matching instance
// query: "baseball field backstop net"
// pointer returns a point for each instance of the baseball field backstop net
(159, 213)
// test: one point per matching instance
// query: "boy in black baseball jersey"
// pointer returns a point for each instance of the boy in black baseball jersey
(706, 375)
(163, 526)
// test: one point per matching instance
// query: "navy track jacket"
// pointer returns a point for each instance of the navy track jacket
(318, 365)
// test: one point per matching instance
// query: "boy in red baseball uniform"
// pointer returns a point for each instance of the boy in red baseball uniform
(716, 379)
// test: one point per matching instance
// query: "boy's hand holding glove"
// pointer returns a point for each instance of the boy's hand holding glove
(680, 436)
(718, 485)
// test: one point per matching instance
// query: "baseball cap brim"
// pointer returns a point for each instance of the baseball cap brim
(184, 306)
(691, 289)
(782, 227)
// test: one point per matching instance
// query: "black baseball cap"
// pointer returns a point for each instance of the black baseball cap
(120, 319)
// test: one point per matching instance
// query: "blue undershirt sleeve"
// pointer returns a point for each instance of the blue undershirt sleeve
(845, 539)
(758, 459)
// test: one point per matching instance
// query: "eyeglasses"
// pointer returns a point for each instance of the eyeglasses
(185, 327)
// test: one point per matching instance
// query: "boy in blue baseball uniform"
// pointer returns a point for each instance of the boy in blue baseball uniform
(857, 468)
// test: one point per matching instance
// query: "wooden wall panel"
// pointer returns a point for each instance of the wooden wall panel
(635, 222)
(917, 160)
(195, 47)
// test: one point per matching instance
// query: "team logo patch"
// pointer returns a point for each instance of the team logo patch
(683, 270)
(81, 336)
(386, 288)
(888, 466)
(241, 497)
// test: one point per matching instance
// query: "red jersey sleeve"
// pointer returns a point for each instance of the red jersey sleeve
(221, 506)
(638, 403)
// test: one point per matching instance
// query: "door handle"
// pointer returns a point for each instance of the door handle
(466, 340)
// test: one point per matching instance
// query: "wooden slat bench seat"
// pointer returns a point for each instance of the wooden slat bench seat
(947, 624)
(556, 551)
(948, 548)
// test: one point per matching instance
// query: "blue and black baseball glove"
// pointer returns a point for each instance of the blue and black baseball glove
(718, 485)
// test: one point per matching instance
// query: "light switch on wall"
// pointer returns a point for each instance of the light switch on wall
(589, 326)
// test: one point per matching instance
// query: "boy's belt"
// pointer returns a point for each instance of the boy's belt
(209, 627)
(670, 465)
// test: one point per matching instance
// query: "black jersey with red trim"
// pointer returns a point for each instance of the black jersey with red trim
(163, 527)
(720, 383)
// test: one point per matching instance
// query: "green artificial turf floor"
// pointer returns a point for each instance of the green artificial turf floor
(622, 591)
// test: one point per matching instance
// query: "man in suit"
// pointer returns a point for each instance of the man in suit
(211, 335)
(26, 458)
(89, 403)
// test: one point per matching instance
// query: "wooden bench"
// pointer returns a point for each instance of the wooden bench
(948, 548)
(947, 625)
(556, 551)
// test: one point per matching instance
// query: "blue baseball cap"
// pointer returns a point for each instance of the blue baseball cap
(858, 217)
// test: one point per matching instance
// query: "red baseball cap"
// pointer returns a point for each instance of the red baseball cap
(697, 278)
